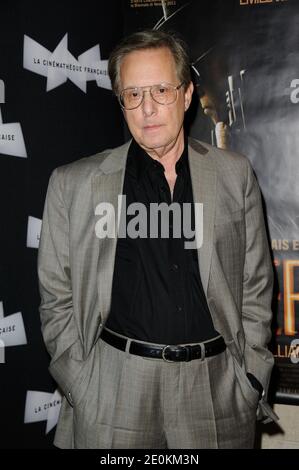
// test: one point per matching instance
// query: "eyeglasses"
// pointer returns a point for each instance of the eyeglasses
(164, 93)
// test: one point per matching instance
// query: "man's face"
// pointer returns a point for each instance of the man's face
(153, 125)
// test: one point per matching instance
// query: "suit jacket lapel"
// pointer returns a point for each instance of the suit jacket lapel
(107, 185)
(203, 178)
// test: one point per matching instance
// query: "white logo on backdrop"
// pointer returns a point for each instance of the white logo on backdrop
(2, 92)
(2, 352)
(33, 232)
(12, 331)
(11, 135)
(2, 344)
(61, 65)
(42, 406)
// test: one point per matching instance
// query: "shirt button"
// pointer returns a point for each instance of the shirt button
(175, 267)
(180, 308)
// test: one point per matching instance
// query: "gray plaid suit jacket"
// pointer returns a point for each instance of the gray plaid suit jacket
(75, 267)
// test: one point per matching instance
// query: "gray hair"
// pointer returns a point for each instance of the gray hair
(150, 39)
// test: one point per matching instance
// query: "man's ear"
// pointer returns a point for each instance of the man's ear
(188, 95)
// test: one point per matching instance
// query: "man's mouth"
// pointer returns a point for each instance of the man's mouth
(152, 127)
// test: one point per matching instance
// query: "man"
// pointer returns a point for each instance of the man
(151, 341)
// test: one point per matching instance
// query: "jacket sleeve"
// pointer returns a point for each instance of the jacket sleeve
(56, 309)
(257, 287)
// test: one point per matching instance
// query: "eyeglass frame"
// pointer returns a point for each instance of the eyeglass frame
(176, 88)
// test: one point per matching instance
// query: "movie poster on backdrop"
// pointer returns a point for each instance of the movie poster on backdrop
(245, 63)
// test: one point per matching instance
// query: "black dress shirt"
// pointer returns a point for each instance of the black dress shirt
(157, 294)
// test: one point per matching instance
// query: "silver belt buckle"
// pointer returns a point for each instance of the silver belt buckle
(163, 354)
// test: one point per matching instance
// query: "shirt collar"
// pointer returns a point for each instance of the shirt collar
(139, 162)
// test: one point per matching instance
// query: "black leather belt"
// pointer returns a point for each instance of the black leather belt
(170, 353)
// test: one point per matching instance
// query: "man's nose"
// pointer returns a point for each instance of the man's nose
(149, 106)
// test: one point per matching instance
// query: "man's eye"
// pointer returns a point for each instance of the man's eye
(162, 90)
(134, 94)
